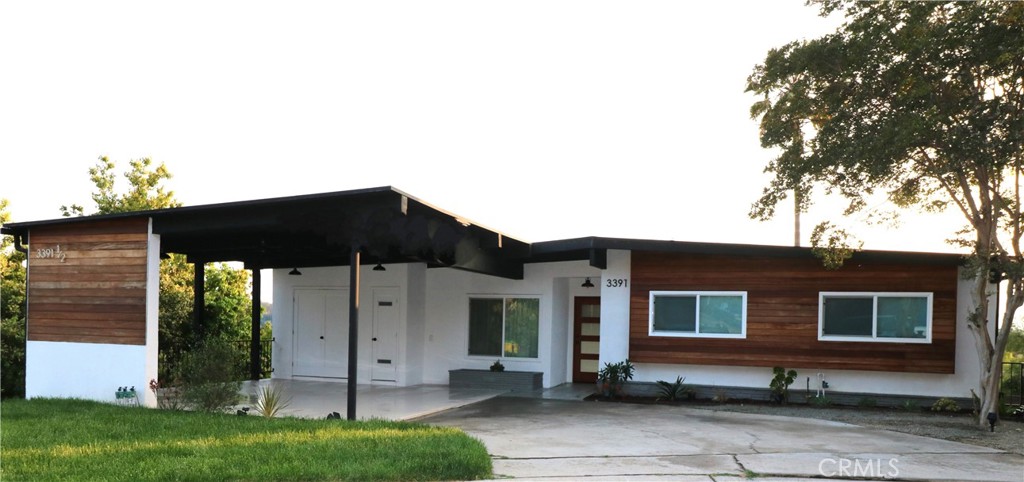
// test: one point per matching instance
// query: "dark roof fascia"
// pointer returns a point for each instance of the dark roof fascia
(575, 249)
(22, 227)
(199, 207)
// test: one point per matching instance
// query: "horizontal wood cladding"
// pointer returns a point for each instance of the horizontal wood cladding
(782, 312)
(94, 291)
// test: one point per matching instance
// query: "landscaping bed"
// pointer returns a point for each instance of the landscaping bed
(49, 439)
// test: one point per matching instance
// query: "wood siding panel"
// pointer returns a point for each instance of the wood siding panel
(97, 293)
(782, 312)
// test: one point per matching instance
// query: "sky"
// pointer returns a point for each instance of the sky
(541, 119)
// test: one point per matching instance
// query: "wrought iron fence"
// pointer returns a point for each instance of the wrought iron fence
(1012, 386)
(265, 355)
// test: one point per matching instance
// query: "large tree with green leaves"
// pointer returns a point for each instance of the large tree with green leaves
(227, 309)
(921, 103)
(12, 314)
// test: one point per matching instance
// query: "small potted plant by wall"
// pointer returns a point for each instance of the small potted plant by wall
(613, 376)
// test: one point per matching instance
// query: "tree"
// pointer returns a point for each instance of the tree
(921, 102)
(228, 303)
(12, 314)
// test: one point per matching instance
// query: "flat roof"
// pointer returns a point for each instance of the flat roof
(389, 226)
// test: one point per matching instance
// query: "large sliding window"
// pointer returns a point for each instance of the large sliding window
(713, 314)
(885, 317)
(504, 327)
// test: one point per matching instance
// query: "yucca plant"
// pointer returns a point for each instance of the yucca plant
(674, 391)
(270, 400)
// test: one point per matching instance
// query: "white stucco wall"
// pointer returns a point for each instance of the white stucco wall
(92, 371)
(958, 384)
(447, 341)
(395, 277)
(615, 309)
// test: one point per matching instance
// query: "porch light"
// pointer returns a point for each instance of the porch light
(379, 267)
(295, 272)
(587, 284)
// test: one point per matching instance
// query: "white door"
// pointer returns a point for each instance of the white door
(385, 334)
(320, 333)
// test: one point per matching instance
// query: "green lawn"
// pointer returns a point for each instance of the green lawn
(79, 440)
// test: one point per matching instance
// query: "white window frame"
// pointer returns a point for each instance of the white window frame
(503, 315)
(696, 334)
(875, 295)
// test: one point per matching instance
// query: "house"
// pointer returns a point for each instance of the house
(434, 292)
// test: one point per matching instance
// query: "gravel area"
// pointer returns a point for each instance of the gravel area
(960, 427)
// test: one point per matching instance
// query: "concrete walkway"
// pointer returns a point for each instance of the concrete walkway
(317, 398)
(548, 439)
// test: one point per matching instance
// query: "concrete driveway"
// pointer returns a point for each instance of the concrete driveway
(564, 440)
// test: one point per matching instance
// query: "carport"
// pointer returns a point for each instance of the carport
(108, 266)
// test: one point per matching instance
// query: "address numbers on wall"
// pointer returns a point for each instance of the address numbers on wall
(51, 253)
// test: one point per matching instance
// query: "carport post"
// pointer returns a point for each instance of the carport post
(199, 300)
(353, 329)
(255, 367)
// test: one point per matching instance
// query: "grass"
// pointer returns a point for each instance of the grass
(51, 439)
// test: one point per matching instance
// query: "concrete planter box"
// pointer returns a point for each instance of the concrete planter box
(507, 380)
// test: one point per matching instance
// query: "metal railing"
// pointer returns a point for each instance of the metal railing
(1012, 384)
(266, 346)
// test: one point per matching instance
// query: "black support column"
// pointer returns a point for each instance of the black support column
(199, 301)
(353, 330)
(255, 371)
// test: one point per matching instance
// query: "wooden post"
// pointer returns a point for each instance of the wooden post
(255, 367)
(353, 330)
(199, 301)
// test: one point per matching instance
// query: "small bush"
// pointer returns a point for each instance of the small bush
(945, 405)
(867, 402)
(674, 391)
(270, 400)
(209, 379)
(822, 401)
(910, 406)
(497, 366)
(781, 380)
(721, 396)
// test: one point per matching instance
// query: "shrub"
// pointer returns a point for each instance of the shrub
(270, 400)
(910, 406)
(674, 391)
(821, 401)
(867, 402)
(721, 396)
(614, 375)
(209, 377)
(12, 357)
(497, 366)
(945, 405)
(780, 383)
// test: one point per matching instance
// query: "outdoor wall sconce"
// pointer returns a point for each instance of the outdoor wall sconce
(379, 267)
(587, 284)
(295, 272)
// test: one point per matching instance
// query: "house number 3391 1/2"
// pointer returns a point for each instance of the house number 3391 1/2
(51, 253)
(617, 283)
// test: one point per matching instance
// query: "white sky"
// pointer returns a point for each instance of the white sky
(542, 119)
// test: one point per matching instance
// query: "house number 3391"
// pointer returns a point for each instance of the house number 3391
(617, 283)
(51, 253)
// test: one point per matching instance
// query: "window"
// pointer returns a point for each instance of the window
(714, 314)
(505, 327)
(886, 317)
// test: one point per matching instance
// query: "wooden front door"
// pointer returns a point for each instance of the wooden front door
(586, 338)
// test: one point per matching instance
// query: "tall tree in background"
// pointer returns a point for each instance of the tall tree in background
(227, 298)
(923, 103)
(12, 314)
